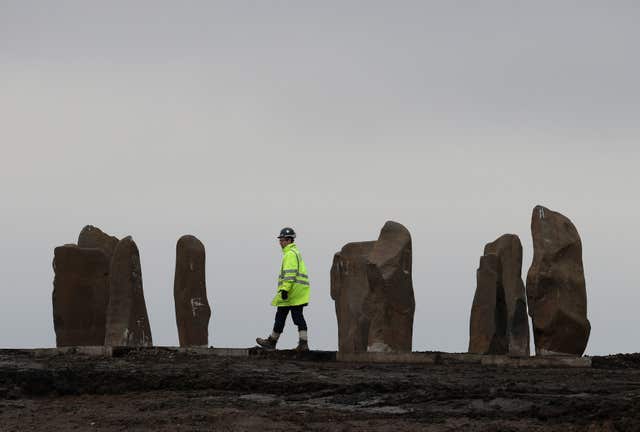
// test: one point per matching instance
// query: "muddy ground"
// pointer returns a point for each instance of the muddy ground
(161, 390)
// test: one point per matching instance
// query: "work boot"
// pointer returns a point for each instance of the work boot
(268, 343)
(303, 345)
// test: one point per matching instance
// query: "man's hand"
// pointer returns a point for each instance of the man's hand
(284, 294)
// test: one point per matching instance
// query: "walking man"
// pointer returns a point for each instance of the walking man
(292, 294)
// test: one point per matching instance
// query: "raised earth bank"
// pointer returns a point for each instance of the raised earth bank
(165, 390)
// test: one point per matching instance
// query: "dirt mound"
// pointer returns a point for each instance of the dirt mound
(617, 361)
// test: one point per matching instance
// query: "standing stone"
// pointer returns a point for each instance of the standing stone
(391, 302)
(556, 289)
(499, 322)
(373, 292)
(190, 293)
(127, 322)
(349, 290)
(508, 248)
(93, 237)
(80, 295)
(487, 329)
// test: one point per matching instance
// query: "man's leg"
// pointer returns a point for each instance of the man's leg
(278, 327)
(298, 319)
(281, 318)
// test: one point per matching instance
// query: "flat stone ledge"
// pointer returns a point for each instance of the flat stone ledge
(119, 351)
(538, 362)
(321, 356)
(441, 358)
(197, 350)
(459, 358)
(388, 357)
(231, 352)
(91, 351)
(427, 357)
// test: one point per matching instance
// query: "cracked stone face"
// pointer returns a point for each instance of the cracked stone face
(499, 323)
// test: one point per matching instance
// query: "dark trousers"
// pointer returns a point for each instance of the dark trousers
(296, 314)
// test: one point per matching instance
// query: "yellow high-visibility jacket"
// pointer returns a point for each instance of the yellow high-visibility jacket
(293, 278)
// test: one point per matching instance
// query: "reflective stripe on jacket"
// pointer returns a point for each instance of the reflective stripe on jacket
(293, 278)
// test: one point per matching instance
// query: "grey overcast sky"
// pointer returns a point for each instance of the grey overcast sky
(231, 119)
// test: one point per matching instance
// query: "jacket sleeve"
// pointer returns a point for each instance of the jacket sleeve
(289, 271)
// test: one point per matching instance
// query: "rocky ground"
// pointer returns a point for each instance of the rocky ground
(162, 390)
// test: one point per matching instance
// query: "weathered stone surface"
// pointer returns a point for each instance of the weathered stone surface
(190, 293)
(508, 248)
(93, 237)
(127, 322)
(499, 322)
(80, 295)
(373, 292)
(556, 290)
(487, 329)
(349, 290)
(391, 304)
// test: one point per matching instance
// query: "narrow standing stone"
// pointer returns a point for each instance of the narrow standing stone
(127, 322)
(349, 290)
(487, 329)
(499, 322)
(190, 293)
(391, 303)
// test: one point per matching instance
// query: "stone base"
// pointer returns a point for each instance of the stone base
(428, 357)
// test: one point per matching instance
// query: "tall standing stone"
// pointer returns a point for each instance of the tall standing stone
(93, 237)
(556, 289)
(127, 322)
(80, 295)
(487, 328)
(499, 322)
(391, 304)
(373, 292)
(349, 290)
(190, 293)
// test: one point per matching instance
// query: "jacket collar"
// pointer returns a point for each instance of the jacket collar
(288, 247)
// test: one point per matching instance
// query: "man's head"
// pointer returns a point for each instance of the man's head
(286, 237)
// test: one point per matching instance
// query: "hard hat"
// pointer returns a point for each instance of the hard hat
(287, 233)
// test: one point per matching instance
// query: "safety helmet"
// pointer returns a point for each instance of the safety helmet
(287, 232)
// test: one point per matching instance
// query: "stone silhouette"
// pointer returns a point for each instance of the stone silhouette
(373, 292)
(391, 302)
(93, 237)
(487, 329)
(349, 290)
(190, 293)
(556, 290)
(127, 322)
(499, 322)
(80, 295)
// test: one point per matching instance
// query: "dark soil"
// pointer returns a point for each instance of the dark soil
(163, 390)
